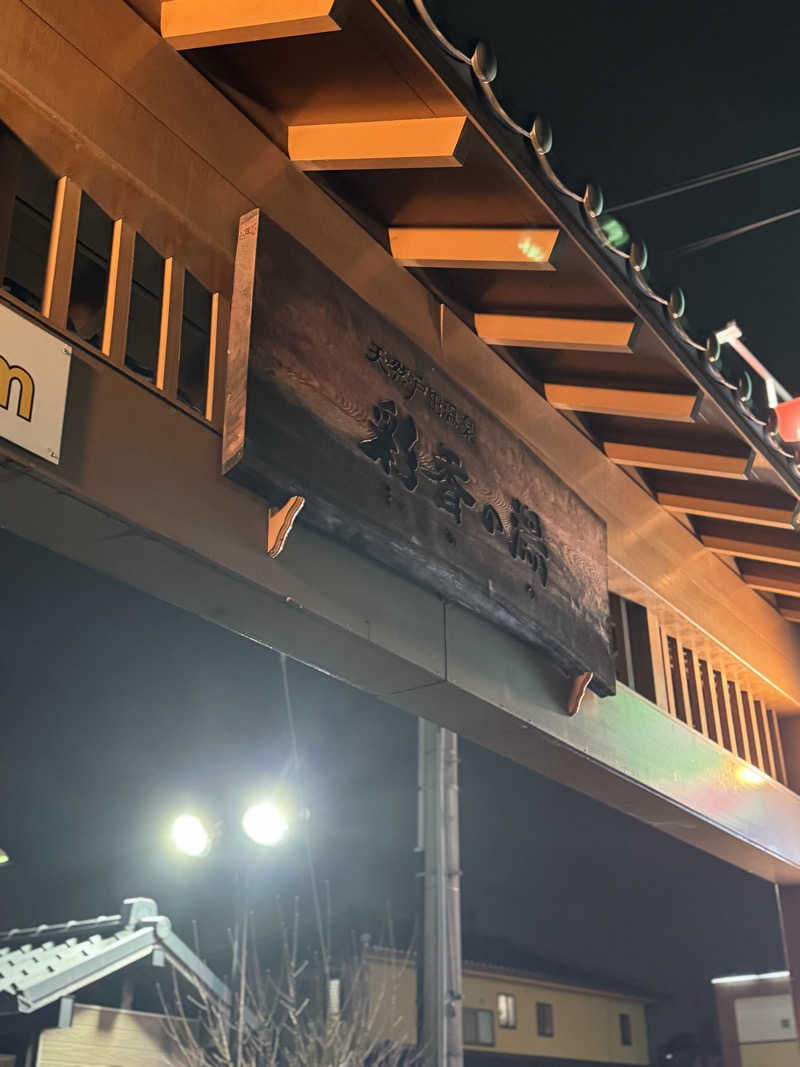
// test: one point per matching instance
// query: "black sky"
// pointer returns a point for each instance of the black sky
(119, 710)
(644, 96)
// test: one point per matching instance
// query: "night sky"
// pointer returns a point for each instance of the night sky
(119, 711)
(644, 96)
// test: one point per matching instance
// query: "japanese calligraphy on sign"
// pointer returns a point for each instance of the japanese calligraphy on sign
(403, 464)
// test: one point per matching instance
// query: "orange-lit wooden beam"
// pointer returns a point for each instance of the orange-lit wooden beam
(541, 331)
(770, 577)
(385, 145)
(757, 510)
(738, 539)
(634, 403)
(512, 249)
(205, 23)
(640, 454)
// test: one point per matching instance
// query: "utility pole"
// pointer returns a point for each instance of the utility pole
(439, 954)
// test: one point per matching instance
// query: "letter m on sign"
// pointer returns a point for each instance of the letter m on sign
(16, 376)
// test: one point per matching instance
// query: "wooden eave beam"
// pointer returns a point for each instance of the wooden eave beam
(683, 460)
(739, 539)
(385, 145)
(544, 331)
(770, 578)
(695, 502)
(790, 609)
(206, 23)
(632, 403)
(498, 249)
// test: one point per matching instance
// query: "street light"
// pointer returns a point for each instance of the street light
(265, 824)
(5, 859)
(191, 836)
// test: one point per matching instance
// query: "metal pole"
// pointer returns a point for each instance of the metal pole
(420, 887)
(435, 977)
(440, 1024)
(242, 974)
(452, 861)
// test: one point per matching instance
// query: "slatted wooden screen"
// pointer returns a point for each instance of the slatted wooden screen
(55, 304)
(694, 690)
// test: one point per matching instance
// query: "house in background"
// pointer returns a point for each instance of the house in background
(42, 968)
(536, 1018)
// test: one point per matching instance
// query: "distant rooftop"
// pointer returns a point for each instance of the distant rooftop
(42, 964)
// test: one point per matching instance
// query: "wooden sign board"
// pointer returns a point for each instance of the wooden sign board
(328, 400)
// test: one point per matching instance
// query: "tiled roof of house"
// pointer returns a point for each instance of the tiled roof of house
(42, 964)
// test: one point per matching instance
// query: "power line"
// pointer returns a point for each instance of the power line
(718, 238)
(713, 176)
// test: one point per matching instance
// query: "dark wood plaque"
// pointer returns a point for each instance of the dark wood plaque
(329, 401)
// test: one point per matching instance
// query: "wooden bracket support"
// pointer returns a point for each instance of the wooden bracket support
(280, 521)
(578, 692)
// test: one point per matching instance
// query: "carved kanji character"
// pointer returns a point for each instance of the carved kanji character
(527, 541)
(449, 475)
(491, 520)
(393, 443)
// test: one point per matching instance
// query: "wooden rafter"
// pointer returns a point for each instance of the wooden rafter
(506, 249)
(389, 145)
(739, 539)
(724, 502)
(635, 403)
(790, 609)
(206, 23)
(770, 577)
(681, 459)
(545, 331)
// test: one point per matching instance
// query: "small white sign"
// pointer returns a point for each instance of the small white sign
(760, 1019)
(34, 374)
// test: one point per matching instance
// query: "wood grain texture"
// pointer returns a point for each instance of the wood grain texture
(475, 248)
(118, 303)
(634, 403)
(758, 543)
(654, 457)
(61, 256)
(208, 23)
(543, 331)
(169, 345)
(390, 145)
(315, 399)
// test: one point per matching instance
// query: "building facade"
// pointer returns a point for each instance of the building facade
(757, 1022)
(531, 1017)
(424, 454)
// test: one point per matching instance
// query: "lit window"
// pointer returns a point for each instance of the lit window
(544, 1019)
(478, 1027)
(507, 1011)
(625, 1029)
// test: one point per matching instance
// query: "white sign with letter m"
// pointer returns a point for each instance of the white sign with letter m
(34, 374)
